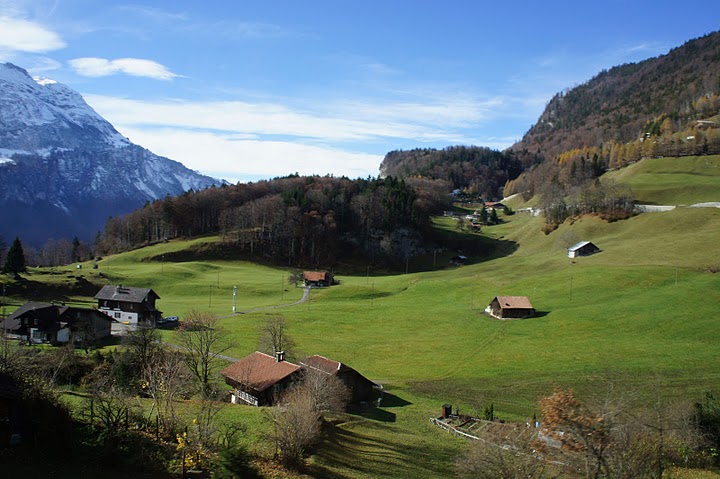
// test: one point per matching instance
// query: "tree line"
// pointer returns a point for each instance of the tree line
(294, 220)
(477, 170)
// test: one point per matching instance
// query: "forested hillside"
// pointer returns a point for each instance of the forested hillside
(676, 92)
(294, 220)
(480, 170)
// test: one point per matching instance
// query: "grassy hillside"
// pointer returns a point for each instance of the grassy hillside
(639, 318)
(673, 181)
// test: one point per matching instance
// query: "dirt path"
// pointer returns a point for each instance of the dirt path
(305, 297)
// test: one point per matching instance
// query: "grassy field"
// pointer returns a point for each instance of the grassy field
(641, 318)
(673, 181)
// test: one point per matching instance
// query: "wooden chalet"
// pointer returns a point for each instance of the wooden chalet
(506, 307)
(260, 379)
(584, 248)
(495, 205)
(317, 278)
(360, 387)
(129, 305)
(57, 324)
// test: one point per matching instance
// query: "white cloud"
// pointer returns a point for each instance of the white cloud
(239, 140)
(233, 159)
(356, 121)
(99, 67)
(24, 36)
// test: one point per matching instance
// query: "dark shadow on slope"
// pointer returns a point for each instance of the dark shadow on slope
(365, 453)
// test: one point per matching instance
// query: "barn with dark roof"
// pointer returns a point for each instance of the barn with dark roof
(128, 304)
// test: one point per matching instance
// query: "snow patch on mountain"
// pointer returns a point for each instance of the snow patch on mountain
(66, 158)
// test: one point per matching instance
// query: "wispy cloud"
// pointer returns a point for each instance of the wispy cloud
(156, 14)
(21, 35)
(99, 67)
(234, 159)
(341, 122)
(243, 140)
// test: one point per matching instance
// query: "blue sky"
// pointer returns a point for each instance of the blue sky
(249, 90)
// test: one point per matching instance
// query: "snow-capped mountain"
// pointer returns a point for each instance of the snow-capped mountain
(64, 169)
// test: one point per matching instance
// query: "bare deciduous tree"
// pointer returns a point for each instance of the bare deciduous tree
(142, 343)
(165, 378)
(108, 403)
(484, 460)
(327, 392)
(274, 337)
(296, 426)
(203, 340)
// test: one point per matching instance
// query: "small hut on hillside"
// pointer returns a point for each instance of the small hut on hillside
(583, 248)
(317, 278)
(504, 307)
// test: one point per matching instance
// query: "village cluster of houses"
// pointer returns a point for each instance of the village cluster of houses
(58, 324)
(258, 379)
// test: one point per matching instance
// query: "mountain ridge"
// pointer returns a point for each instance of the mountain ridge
(65, 169)
(616, 104)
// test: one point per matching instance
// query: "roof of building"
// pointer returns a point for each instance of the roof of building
(323, 364)
(315, 275)
(52, 316)
(125, 293)
(579, 245)
(514, 302)
(259, 371)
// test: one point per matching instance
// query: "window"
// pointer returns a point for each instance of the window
(118, 315)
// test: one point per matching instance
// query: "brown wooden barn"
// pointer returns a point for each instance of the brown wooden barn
(505, 307)
(260, 379)
(317, 278)
(361, 388)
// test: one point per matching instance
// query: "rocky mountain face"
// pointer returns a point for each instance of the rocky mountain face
(64, 169)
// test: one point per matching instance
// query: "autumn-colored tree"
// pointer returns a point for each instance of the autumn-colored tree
(578, 429)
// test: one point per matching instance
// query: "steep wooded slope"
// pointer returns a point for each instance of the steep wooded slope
(615, 105)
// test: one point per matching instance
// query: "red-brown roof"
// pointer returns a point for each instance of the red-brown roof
(315, 275)
(259, 371)
(514, 302)
(323, 364)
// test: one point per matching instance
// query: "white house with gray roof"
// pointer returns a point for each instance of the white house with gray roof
(129, 305)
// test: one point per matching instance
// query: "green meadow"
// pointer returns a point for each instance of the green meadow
(640, 319)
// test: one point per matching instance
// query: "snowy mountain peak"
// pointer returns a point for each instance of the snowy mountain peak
(43, 81)
(66, 168)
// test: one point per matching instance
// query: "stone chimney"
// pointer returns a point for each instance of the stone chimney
(280, 356)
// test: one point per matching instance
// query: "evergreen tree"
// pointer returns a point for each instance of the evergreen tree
(483, 216)
(75, 255)
(15, 260)
(494, 217)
